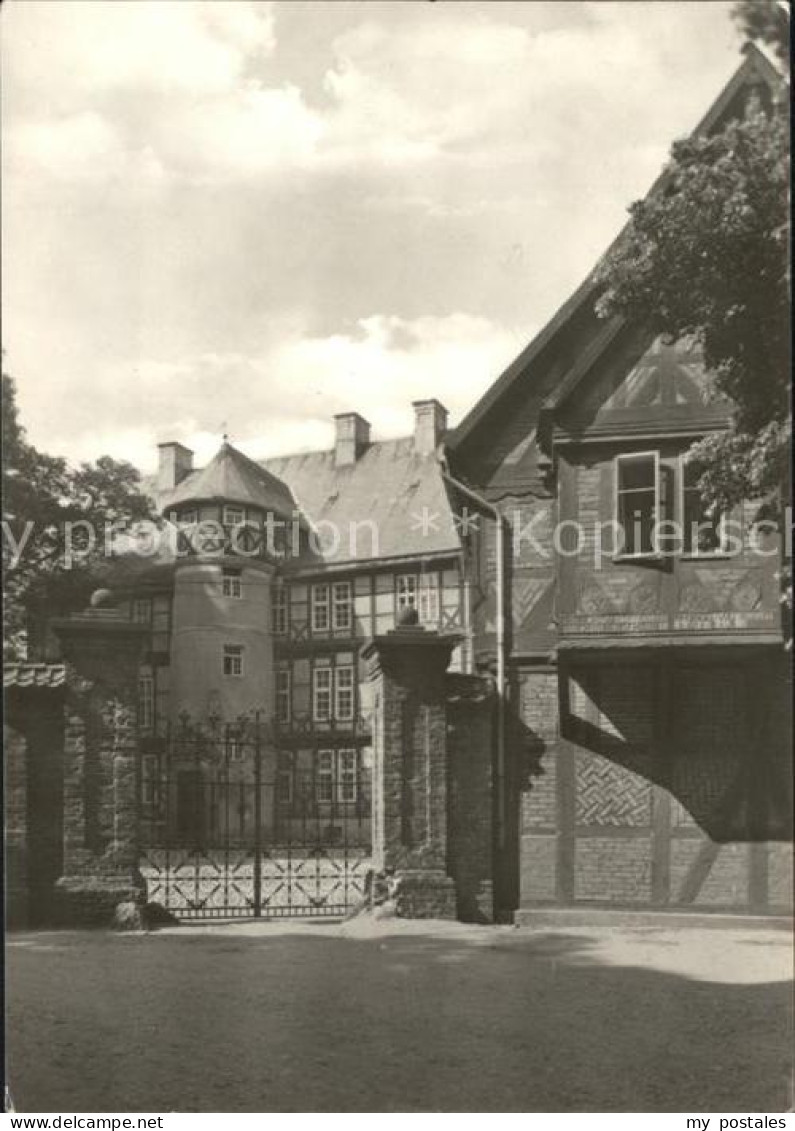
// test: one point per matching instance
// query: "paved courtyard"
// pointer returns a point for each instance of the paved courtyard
(401, 1017)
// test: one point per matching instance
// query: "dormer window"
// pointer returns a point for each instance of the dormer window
(234, 516)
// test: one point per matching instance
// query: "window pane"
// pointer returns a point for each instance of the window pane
(636, 514)
(636, 473)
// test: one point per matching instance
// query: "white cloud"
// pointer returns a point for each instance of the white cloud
(284, 398)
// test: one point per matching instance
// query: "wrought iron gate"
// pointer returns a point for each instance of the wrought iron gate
(233, 828)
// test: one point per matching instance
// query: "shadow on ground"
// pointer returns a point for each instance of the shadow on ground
(346, 1019)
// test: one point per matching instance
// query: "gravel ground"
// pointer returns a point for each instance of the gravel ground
(400, 1017)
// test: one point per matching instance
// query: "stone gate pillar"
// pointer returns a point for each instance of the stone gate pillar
(407, 671)
(102, 651)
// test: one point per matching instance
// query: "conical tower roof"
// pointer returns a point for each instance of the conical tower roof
(232, 477)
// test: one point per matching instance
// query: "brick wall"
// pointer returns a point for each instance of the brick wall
(669, 780)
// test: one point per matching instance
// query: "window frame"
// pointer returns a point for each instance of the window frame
(232, 653)
(689, 551)
(280, 604)
(346, 603)
(325, 605)
(401, 577)
(233, 508)
(138, 604)
(339, 717)
(629, 457)
(146, 702)
(283, 695)
(231, 580)
(428, 585)
(317, 691)
(329, 769)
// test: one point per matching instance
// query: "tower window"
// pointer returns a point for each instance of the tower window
(233, 516)
(232, 584)
(187, 518)
(233, 659)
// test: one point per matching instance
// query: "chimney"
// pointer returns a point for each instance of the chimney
(175, 461)
(351, 438)
(430, 425)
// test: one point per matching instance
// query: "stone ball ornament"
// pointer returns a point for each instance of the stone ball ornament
(102, 599)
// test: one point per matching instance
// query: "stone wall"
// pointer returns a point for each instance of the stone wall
(16, 825)
(470, 835)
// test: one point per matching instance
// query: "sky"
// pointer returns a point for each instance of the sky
(246, 217)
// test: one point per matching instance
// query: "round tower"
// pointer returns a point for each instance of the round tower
(221, 633)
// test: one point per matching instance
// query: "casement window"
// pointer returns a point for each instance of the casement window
(285, 778)
(320, 608)
(282, 696)
(336, 776)
(231, 582)
(233, 659)
(146, 702)
(279, 609)
(234, 516)
(343, 693)
(142, 610)
(406, 591)
(333, 694)
(343, 604)
(420, 593)
(428, 599)
(322, 683)
(638, 502)
(703, 527)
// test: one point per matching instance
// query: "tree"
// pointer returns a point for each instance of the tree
(54, 523)
(706, 255)
(767, 21)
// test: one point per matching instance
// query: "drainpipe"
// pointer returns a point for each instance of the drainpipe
(501, 679)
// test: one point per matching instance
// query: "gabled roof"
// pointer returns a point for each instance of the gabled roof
(232, 477)
(389, 485)
(757, 66)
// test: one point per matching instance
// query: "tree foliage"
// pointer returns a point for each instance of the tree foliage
(766, 21)
(706, 255)
(45, 562)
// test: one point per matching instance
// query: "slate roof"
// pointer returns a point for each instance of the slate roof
(232, 476)
(390, 485)
(33, 675)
